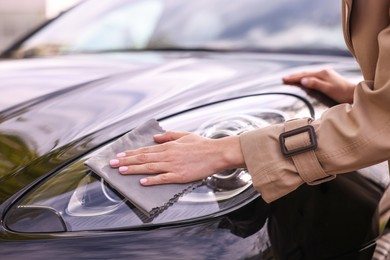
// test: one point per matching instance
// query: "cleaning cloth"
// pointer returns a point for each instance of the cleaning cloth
(150, 200)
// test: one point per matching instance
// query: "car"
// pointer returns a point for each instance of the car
(103, 68)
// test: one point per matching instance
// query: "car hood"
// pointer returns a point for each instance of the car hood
(55, 109)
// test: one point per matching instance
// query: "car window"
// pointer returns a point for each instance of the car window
(130, 26)
(251, 24)
(97, 26)
(117, 25)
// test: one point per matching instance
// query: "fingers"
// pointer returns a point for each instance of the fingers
(169, 136)
(140, 161)
(146, 168)
(160, 179)
(318, 80)
(146, 154)
(170, 161)
(298, 77)
(152, 168)
(135, 157)
(144, 150)
(314, 83)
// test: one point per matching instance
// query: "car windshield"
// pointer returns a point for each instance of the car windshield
(244, 25)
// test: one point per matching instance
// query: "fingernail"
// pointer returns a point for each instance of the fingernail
(121, 155)
(114, 162)
(123, 168)
(143, 180)
(304, 81)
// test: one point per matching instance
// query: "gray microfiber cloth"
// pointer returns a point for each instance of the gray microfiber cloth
(149, 200)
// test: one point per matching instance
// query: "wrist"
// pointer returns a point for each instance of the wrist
(230, 151)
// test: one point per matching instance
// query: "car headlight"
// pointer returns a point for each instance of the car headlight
(75, 199)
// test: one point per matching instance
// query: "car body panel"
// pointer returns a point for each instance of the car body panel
(57, 111)
(111, 103)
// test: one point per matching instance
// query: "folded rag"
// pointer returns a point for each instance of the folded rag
(149, 200)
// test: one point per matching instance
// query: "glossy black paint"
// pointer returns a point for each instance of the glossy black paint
(239, 235)
(82, 97)
(75, 104)
(326, 221)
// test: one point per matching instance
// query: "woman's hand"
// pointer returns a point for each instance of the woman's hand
(326, 81)
(181, 158)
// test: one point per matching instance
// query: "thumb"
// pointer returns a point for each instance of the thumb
(169, 136)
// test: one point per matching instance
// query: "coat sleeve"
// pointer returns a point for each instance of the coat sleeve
(349, 137)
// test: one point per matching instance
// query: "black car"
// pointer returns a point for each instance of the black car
(211, 67)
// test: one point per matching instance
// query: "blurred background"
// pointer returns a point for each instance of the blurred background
(19, 16)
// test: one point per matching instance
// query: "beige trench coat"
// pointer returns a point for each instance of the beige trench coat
(349, 136)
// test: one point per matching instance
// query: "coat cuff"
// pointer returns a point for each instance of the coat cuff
(299, 142)
(279, 161)
(273, 175)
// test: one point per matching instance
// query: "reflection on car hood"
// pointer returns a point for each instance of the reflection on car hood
(58, 108)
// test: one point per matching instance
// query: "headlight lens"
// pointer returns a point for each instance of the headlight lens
(230, 181)
(75, 199)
